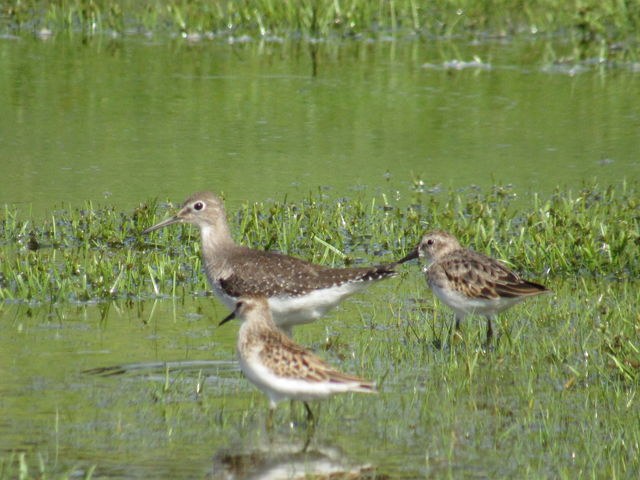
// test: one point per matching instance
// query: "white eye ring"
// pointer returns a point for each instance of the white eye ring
(198, 206)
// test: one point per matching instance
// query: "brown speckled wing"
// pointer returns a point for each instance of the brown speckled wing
(270, 273)
(294, 361)
(477, 276)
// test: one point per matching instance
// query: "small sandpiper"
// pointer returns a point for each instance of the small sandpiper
(299, 292)
(280, 367)
(470, 282)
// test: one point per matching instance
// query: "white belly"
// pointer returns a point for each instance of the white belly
(464, 305)
(289, 311)
(279, 388)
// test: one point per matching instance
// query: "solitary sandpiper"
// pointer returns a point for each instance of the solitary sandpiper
(298, 291)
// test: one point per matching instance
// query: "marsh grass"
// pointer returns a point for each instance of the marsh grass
(95, 254)
(606, 27)
(556, 397)
(550, 398)
(24, 466)
(547, 401)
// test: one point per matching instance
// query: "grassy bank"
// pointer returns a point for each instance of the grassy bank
(93, 254)
(609, 24)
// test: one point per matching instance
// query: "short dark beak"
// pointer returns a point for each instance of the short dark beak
(412, 255)
(162, 224)
(231, 316)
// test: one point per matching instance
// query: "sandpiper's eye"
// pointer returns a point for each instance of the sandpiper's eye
(198, 206)
(430, 241)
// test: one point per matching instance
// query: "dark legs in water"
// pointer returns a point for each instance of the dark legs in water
(456, 326)
(458, 322)
(311, 426)
(310, 418)
(489, 330)
(269, 423)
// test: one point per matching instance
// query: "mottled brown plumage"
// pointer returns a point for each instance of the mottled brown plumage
(291, 360)
(470, 282)
(478, 276)
(298, 291)
(279, 366)
(258, 272)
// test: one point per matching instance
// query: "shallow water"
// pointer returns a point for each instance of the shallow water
(136, 118)
(154, 391)
(128, 120)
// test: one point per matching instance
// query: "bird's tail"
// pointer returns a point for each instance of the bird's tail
(355, 384)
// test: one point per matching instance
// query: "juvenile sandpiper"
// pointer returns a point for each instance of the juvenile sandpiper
(470, 282)
(280, 367)
(298, 291)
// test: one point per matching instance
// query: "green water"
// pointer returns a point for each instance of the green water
(546, 401)
(122, 121)
(134, 119)
(152, 422)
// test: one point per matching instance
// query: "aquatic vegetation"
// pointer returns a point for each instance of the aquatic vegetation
(25, 467)
(606, 28)
(93, 254)
(146, 371)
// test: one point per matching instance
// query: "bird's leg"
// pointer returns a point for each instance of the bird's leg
(269, 422)
(454, 331)
(311, 426)
(292, 409)
(453, 326)
(307, 440)
(310, 417)
(489, 331)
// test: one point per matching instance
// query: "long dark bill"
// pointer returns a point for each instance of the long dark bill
(231, 316)
(411, 256)
(162, 224)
